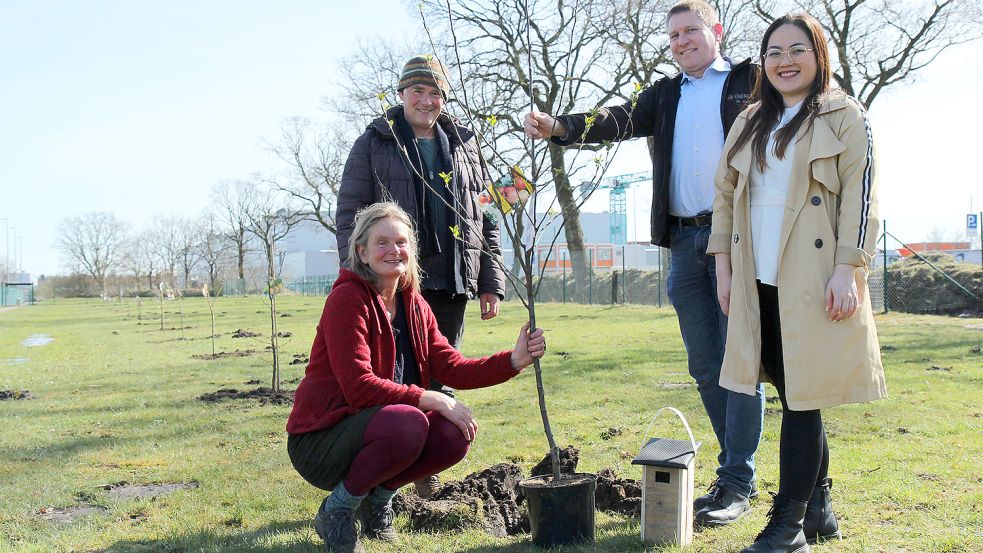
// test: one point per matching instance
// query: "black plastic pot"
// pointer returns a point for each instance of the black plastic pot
(560, 514)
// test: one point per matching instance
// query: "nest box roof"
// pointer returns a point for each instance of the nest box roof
(663, 452)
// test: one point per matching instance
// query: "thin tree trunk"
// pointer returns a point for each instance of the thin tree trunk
(540, 390)
(571, 218)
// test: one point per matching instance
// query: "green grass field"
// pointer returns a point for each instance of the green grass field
(116, 401)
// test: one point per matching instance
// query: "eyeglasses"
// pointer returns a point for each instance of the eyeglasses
(774, 56)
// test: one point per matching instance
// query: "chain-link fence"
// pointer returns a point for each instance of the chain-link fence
(604, 287)
(16, 294)
(234, 287)
(941, 277)
(927, 277)
(312, 286)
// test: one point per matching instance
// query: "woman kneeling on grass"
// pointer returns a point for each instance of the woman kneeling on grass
(364, 423)
(795, 218)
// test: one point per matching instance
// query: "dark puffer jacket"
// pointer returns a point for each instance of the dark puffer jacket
(377, 170)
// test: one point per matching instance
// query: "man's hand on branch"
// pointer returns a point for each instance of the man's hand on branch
(540, 125)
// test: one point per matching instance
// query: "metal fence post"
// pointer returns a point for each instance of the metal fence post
(624, 283)
(563, 263)
(884, 280)
(590, 279)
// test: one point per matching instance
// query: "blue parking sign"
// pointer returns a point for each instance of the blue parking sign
(972, 221)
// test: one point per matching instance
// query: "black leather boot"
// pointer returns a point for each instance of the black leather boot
(820, 522)
(783, 533)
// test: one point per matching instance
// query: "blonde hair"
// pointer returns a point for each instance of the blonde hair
(365, 219)
(701, 8)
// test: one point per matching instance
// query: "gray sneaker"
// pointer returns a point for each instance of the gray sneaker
(377, 523)
(338, 530)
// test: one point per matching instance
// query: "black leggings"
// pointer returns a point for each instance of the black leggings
(803, 450)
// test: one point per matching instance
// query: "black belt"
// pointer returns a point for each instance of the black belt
(700, 220)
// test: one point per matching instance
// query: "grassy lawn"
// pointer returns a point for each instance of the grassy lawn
(116, 401)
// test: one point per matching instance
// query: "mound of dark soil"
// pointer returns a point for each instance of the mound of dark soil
(263, 394)
(15, 394)
(618, 495)
(491, 499)
(224, 354)
(240, 333)
(569, 457)
(488, 499)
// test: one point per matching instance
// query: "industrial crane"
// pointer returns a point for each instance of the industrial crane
(618, 185)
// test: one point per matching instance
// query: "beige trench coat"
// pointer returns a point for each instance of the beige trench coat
(830, 218)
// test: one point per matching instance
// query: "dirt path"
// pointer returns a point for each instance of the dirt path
(2, 309)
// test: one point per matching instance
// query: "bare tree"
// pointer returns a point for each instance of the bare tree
(371, 76)
(189, 237)
(232, 200)
(316, 161)
(742, 31)
(141, 258)
(879, 43)
(94, 242)
(213, 251)
(579, 56)
(269, 221)
(164, 236)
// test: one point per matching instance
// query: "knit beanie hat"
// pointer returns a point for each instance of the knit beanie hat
(425, 70)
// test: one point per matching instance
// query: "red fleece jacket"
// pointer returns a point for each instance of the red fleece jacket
(354, 354)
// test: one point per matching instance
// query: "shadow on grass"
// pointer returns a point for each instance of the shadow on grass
(610, 536)
(261, 540)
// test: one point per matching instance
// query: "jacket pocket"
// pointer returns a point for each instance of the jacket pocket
(824, 172)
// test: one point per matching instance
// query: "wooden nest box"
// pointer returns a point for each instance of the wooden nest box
(667, 490)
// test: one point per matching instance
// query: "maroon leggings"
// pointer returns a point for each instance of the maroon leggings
(403, 445)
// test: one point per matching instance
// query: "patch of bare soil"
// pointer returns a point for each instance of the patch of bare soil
(224, 354)
(65, 515)
(15, 394)
(491, 499)
(263, 395)
(124, 491)
(675, 385)
(300, 359)
(610, 433)
(240, 333)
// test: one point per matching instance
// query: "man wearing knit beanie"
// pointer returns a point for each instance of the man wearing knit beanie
(424, 70)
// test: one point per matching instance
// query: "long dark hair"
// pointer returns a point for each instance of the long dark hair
(768, 100)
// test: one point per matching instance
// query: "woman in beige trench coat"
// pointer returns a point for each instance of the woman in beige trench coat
(794, 230)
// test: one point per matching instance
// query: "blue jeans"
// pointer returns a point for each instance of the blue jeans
(736, 418)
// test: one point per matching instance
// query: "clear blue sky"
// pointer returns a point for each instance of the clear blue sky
(139, 108)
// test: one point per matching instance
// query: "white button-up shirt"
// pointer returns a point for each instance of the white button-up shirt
(698, 140)
(769, 191)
